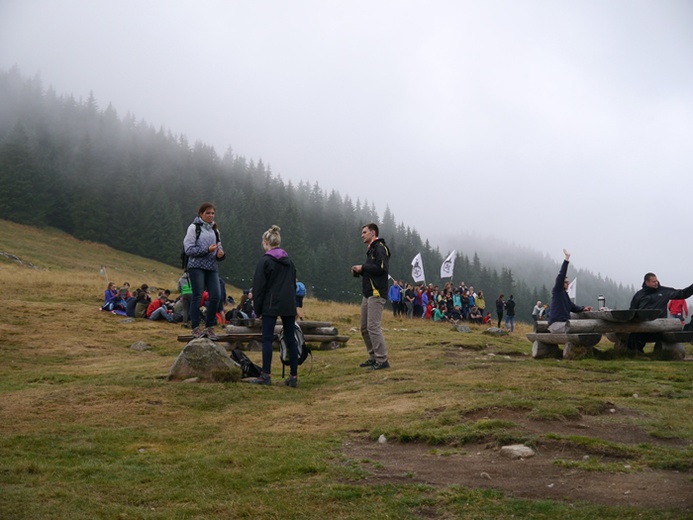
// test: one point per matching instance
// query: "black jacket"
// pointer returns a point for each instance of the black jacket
(561, 306)
(376, 269)
(274, 285)
(650, 298)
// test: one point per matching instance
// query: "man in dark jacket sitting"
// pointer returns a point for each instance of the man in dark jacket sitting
(653, 296)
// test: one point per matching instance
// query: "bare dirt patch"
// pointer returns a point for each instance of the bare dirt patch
(538, 477)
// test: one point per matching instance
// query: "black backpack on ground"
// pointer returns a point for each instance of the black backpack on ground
(248, 368)
(303, 349)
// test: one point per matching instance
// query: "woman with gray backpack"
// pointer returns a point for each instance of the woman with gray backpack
(203, 249)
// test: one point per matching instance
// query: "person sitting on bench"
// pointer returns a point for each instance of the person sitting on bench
(561, 305)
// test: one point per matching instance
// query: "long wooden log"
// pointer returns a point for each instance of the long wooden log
(238, 329)
(319, 338)
(229, 337)
(305, 324)
(658, 325)
(618, 315)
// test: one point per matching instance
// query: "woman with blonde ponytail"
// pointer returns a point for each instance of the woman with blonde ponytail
(274, 295)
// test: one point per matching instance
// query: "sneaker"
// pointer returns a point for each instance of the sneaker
(209, 332)
(380, 366)
(291, 381)
(264, 379)
(368, 363)
(197, 333)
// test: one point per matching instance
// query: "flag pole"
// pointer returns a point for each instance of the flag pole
(103, 272)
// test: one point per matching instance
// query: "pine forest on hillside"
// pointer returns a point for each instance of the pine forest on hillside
(71, 165)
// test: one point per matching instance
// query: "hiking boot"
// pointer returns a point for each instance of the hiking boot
(209, 332)
(263, 379)
(368, 363)
(197, 333)
(291, 381)
(380, 366)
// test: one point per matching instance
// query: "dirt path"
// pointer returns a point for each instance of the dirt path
(538, 477)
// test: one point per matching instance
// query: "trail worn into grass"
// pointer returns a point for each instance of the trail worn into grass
(480, 465)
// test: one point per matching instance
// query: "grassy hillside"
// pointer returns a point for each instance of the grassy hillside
(90, 428)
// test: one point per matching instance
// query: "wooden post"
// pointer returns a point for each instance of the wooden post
(545, 350)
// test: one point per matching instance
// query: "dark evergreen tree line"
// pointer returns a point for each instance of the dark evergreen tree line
(71, 165)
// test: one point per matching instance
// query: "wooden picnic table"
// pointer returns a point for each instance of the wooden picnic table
(585, 329)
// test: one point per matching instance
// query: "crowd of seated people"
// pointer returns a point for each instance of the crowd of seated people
(140, 304)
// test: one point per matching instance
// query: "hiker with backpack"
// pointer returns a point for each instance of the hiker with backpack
(203, 249)
(274, 295)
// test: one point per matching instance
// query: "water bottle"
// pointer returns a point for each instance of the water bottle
(601, 302)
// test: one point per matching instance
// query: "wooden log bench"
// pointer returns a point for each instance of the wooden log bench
(667, 345)
(545, 345)
(319, 335)
(617, 325)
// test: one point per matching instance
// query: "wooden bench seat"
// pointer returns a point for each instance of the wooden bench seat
(585, 340)
(545, 345)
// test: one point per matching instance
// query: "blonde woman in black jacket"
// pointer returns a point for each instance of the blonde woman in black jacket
(274, 295)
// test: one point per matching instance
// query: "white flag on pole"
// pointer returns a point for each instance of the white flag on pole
(417, 270)
(572, 289)
(448, 265)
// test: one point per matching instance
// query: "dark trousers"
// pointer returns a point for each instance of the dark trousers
(289, 324)
(199, 280)
(638, 340)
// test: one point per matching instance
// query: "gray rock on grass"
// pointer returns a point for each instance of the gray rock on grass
(206, 360)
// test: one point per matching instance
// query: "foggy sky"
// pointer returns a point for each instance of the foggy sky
(546, 124)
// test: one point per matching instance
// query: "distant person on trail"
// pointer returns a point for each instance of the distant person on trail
(481, 302)
(185, 290)
(274, 295)
(374, 274)
(510, 314)
(537, 311)
(500, 306)
(203, 247)
(395, 297)
(409, 298)
(653, 296)
(561, 305)
(300, 294)
(678, 309)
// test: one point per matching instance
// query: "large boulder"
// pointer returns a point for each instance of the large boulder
(205, 360)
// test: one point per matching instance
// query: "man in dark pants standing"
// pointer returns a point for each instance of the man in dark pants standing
(653, 296)
(374, 275)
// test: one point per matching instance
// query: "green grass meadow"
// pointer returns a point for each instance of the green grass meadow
(90, 428)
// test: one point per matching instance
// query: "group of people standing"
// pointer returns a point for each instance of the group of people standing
(451, 304)
(275, 294)
(274, 287)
